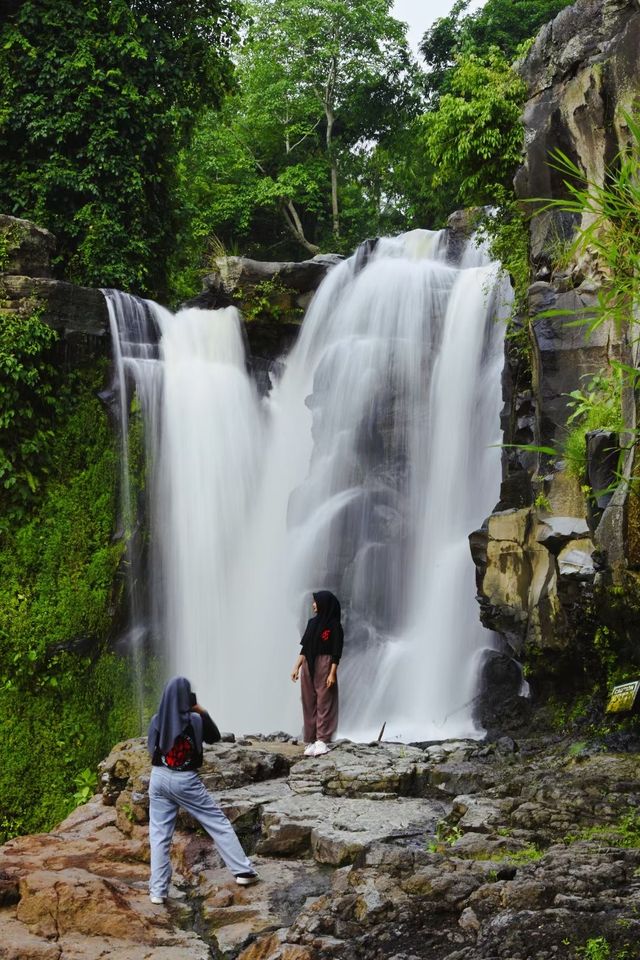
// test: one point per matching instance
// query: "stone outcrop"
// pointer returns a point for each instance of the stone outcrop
(272, 296)
(565, 356)
(582, 74)
(26, 286)
(535, 586)
(531, 570)
(238, 278)
(451, 851)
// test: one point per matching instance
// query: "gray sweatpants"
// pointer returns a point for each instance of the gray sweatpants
(169, 790)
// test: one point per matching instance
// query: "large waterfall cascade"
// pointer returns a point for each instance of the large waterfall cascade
(374, 456)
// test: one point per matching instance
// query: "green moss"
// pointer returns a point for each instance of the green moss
(65, 697)
(624, 833)
(270, 301)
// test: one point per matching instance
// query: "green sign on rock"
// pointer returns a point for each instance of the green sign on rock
(623, 697)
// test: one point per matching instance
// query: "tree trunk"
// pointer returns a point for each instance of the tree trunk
(335, 210)
(294, 225)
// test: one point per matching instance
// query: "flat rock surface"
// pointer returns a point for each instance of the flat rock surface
(450, 851)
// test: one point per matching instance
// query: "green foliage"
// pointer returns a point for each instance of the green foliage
(624, 833)
(597, 406)
(85, 783)
(504, 24)
(30, 395)
(595, 949)
(474, 138)
(291, 164)
(506, 231)
(270, 300)
(542, 502)
(64, 697)
(7, 241)
(529, 854)
(96, 100)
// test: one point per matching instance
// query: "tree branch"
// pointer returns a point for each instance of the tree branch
(294, 225)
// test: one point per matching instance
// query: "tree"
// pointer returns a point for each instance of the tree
(504, 24)
(97, 99)
(320, 84)
(440, 45)
(474, 138)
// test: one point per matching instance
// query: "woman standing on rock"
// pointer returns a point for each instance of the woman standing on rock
(317, 667)
(176, 734)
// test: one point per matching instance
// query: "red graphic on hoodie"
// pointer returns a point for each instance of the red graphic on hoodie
(325, 635)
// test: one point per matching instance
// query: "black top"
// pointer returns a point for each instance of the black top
(324, 633)
(184, 755)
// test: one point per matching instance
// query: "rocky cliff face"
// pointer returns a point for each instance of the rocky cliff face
(26, 286)
(456, 851)
(544, 569)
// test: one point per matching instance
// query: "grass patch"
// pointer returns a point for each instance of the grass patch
(624, 833)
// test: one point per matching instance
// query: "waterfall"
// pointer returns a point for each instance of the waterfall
(363, 472)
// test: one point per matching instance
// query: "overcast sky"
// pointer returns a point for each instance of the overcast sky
(420, 14)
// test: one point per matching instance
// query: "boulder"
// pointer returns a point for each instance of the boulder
(287, 285)
(26, 287)
(555, 532)
(575, 560)
(25, 249)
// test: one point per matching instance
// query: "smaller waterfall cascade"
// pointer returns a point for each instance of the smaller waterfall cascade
(363, 472)
(203, 444)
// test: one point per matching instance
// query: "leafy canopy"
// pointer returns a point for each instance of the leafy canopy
(504, 24)
(96, 99)
(474, 138)
(321, 85)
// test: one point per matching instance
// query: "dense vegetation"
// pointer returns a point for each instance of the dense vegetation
(145, 135)
(96, 100)
(65, 697)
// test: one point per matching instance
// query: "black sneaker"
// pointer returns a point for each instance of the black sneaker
(246, 879)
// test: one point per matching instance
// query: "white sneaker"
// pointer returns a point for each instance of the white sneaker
(157, 900)
(320, 747)
(310, 750)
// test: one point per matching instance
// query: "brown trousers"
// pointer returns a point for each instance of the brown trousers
(319, 702)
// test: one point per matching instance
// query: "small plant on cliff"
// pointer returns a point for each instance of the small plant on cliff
(595, 949)
(446, 834)
(85, 783)
(269, 301)
(610, 212)
(507, 234)
(596, 406)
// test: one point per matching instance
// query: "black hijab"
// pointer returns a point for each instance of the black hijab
(323, 633)
(173, 717)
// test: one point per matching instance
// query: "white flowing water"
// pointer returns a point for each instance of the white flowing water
(364, 472)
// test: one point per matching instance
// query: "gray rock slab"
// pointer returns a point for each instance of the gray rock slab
(355, 769)
(555, 532)
(576, 562)
(337, 829)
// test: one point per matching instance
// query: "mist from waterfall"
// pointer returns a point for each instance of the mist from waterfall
(363, 472)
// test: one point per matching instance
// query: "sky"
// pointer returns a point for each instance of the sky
(420, 14)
